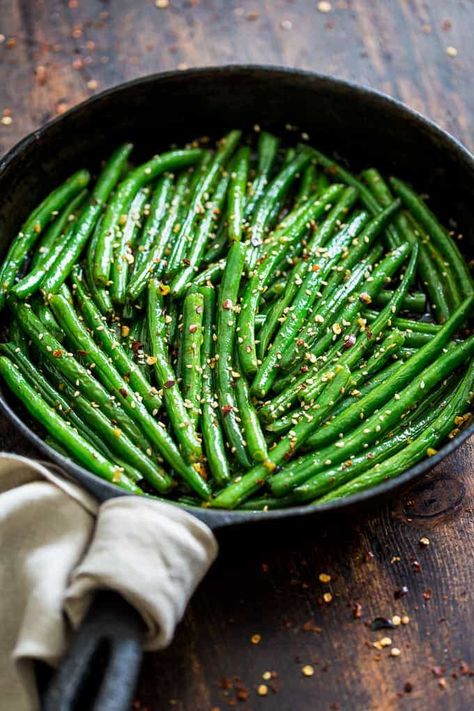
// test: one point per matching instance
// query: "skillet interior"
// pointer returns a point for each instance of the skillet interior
(361, 125)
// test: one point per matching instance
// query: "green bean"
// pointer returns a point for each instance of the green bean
(155, 262)
(329, 307)
(120, 203)
(157, 213)
(75, 408)
(210, 423)
(218, 243)
(85, 225)
(34, 225)
(376, 424)
(204, 186)
(113, 348)
(17, 336)
(303, 301)
(333, 221)
(250, 482)
(210, 275)
(307, 184)
(237, 191)
(375, 397)
(100, 294)
(123, 250)
(177, 412)
(198, 245)
(61, 430)
(32, 281)
(54, 234)
(191, 367)
(424, 444)
(330, 477)
(339, 173)
(390, 346)
(360, 246)
(440, 236)
(253, 434)
(47, 319)
(267, 152)
(51, 349)
(262, 216)
(288, 232)
(406, 323)
(226, 336)
(308, 385)
(436, 289)
(278, 310)
(414, 302)
(116, 385)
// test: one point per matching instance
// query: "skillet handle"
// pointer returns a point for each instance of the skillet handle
(101, 667)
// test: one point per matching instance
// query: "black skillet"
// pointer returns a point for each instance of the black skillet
(364, 127)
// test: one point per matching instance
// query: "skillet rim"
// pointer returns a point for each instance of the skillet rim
(216, 518)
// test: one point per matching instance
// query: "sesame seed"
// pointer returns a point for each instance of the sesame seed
(324, 6)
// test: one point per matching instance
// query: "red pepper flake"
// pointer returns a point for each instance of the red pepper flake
(242, 693)
(304, 369)
(82, 352)
(300, 342)
(349, 342)
(400, 592)
(427, 594)
(437, 671)
(310, 626)
(226, 409)
(416, 566)
(368, 333)
(365, 298)
(123, 392)
(169, 384)
(193, 328)
(187, 262)
(408, 688)
(41, 74)
(136, 345)
(58, 353)
(357, 611)
(227, 305)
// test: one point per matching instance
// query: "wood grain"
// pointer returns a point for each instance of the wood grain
(266, 581)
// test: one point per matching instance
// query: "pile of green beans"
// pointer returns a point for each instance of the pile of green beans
(240, 325)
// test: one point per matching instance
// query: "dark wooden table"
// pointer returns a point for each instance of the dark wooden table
(55, 53)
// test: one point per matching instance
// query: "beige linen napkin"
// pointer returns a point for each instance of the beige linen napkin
(57, 546)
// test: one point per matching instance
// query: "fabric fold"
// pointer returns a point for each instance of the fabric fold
(58, 546)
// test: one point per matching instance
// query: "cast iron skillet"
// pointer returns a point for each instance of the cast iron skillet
(364, 127)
